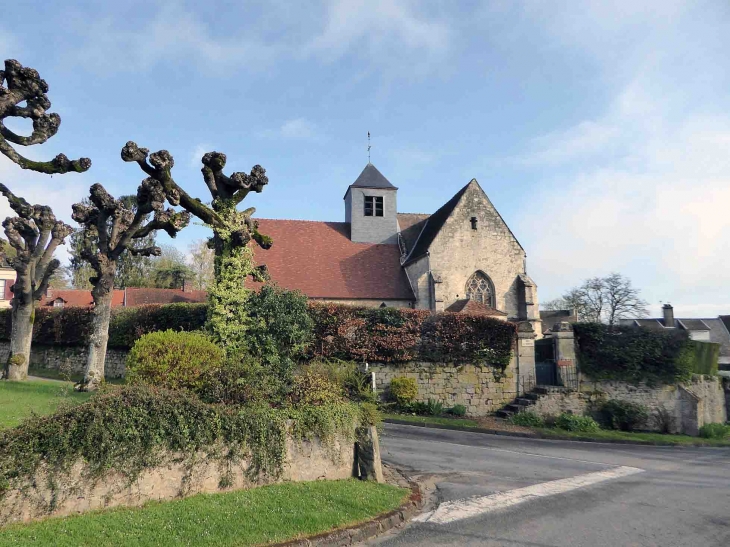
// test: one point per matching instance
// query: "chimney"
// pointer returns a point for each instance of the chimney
(668, 315)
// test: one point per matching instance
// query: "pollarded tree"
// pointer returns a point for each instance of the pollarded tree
(34, 235)
(110, 228)
(35, 232)
(232, 232)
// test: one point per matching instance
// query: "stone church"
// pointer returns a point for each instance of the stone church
(463, 257)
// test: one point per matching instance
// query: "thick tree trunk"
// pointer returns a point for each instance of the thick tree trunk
(94, 373)
(20, 340)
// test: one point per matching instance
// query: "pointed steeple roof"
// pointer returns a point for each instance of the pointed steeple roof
(372, 178)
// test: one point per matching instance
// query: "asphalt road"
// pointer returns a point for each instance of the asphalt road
(640, 495)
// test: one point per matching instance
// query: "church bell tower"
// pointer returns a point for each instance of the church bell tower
(370, 208)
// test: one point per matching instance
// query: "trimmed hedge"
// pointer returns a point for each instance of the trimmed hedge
(633, 355)
(399, 335)
(340, 332)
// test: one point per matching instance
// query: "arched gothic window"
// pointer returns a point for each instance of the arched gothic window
(480, 289)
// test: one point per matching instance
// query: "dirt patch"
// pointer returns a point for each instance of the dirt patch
(500, 424)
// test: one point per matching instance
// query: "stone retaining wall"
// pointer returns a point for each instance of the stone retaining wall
(69, 358)
(687, 407)
(178, 478)
(482, 390)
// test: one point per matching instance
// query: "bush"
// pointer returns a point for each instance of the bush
(715, 431)
(404, 390)
(624, 415)
(129, 324)
(632, 354)
(244, 381)
(573, 422)
(312, 388)
(347, 374)
(457, 410)
(527, 419)
(280, 327)
(369, 414)
(175, 360)
(435, 408)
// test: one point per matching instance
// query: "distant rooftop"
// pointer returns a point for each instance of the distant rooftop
(372, 178)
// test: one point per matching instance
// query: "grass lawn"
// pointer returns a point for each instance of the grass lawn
(437, 420)
(602, 435)
(19, 399)
(246, 517)
(659, 438)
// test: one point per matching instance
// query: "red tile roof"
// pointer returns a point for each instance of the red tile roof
(319, 259)
(75, 297)
(140, 297)
(466, 305)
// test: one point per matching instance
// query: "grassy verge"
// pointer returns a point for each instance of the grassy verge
(248, 517)
(656, 438)
(434, 420)
(19, 399)
(553, 433)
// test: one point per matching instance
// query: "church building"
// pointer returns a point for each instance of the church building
(462, 258)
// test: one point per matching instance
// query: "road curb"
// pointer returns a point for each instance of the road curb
(537, 435)
(366, 530)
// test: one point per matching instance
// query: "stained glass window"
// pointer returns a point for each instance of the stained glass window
(479, 289)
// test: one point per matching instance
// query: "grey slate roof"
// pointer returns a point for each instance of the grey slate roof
(433, 225)
(719, 334)
(693, 324)
(372, 178)
(411, 225)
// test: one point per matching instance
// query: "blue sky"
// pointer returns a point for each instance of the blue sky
(600, 130)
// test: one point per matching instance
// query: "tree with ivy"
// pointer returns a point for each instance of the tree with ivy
(233, 230)
(35, 233)
(110, 228)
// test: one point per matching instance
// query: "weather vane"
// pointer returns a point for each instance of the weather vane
(368, 146)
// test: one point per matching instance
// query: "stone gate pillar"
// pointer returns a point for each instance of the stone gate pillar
(525, 357)
(564, 346)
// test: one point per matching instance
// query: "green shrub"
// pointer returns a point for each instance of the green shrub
(435, 408)
(624, 415)
(633, 355)
(573, 422)
(457, 410)
(280, 327)
(527, 419)
(715, 431)
(404, 390)
(369, 414)
(129, 324)
(175, 360)
(312, 388)
(347, 374)
(244, 381)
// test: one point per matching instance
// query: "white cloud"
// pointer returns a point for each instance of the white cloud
(197, 154)
(298, 128)
(381, 33)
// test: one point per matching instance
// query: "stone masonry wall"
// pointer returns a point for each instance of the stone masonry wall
(688, 406)
(71, 358)
(177, 478)
(482, 390)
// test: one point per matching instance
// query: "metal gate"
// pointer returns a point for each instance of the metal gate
(546, 373)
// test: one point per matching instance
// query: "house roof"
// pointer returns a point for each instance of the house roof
(719, 334)
(141, 296)
(411, 225)
(77, 297)
(693, 324)
(468, 306)
(319, 259)
(372, 178)
(433, 225)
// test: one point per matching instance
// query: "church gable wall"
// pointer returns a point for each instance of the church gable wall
(458, 251)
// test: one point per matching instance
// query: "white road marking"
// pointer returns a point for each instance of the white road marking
(451, 511)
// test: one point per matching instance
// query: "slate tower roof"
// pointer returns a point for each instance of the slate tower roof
(372, 178)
